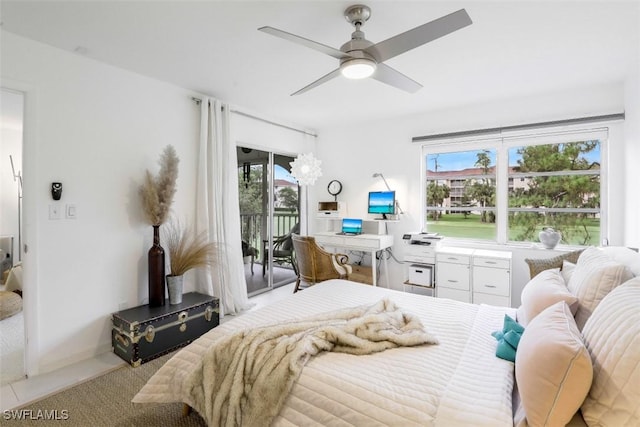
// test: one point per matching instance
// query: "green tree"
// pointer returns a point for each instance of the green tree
(556, 191)
(482, 190)
(289, 198)
(436, 193)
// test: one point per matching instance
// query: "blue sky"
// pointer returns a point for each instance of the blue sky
(466, 159)
(282, 173)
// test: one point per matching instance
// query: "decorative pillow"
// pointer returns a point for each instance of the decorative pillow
(625, 256)
(594, 277)
(567, 270)
(553, 367)
(508, 339)
(545, 289)
(10, 304)
(14, 280)
(537, 265)
(612, 336)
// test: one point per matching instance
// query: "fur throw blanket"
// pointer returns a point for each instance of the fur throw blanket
(246, 377)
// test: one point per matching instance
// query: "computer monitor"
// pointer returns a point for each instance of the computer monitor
(351, 226)
(382, 202)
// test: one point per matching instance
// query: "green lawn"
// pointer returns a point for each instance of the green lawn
(456, 225)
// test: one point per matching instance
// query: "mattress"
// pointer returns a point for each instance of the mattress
(458, 382)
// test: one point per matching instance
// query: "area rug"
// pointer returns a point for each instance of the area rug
(104, 401)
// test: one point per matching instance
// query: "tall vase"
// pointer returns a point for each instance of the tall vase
(156, 270)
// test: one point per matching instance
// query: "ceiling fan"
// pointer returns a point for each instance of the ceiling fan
(360, 58)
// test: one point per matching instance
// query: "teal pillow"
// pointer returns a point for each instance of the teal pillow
(512, 338)
(508, 339)
(505, 351)
(511, 325)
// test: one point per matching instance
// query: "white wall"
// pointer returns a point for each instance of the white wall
(632, 148)
(352, 154)
(96, 129)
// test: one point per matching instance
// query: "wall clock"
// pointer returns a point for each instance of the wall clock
(334, 188)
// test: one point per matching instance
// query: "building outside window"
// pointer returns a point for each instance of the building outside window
(507, 189)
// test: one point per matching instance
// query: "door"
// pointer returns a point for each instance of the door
(269, 213)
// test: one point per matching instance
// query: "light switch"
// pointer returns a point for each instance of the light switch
(71, 212)
(54, 212)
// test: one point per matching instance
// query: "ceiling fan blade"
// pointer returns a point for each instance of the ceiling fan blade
(335, 73)
(418, 36)
(305, 42)
(388, 75)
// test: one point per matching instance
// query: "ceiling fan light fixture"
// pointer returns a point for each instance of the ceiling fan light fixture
(358, 68)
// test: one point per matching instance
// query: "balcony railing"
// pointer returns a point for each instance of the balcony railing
(252, 232)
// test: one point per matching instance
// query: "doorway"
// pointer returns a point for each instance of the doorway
(12, 329)
(269, 214)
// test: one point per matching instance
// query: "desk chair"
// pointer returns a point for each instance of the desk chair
(315, 264)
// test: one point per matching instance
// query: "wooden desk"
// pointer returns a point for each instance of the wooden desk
(362, 242)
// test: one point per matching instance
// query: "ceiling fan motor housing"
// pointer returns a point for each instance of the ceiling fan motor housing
(357, 14)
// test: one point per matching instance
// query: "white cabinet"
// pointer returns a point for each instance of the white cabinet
(491, 277)
(421, 261)
(463, 274)
(453, 277)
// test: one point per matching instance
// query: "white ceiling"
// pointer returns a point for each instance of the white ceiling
(512, 49)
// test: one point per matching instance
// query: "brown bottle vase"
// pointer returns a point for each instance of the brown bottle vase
(156, 270)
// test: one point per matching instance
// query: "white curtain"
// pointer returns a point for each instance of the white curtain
(218, 210)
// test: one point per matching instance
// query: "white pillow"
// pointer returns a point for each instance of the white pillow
(544, 290)
(553, 368)
(567, 270)
(594, 277)
(612, 336)
(625, 256)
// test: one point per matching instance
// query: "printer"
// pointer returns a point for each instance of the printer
(421, 238)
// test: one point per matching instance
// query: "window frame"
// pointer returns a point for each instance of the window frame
(501, 142)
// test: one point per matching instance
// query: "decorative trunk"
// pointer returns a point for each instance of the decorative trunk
(156, 271)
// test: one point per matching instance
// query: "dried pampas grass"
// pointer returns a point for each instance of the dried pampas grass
(157, 192)
(187, 249)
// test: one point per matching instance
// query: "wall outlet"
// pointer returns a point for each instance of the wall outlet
(54, 212)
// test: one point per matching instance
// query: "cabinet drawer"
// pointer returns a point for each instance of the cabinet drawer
(455, 294)
(492, 262)
(420, 259)
(420, 251)
(501, 301)
(453, 258)
(494, 281)
(453, 276)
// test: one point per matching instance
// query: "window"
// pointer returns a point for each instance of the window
(559, 187)
(461, 188)
(508, 189)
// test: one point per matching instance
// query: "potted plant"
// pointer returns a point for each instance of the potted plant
(187, 250)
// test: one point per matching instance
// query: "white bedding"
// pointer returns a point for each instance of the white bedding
(459, 382)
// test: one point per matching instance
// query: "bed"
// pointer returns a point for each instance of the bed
(459, 382)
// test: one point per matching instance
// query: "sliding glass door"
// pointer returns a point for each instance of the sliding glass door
(269, 214)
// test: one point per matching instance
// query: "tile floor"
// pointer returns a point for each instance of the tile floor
(28, 390)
